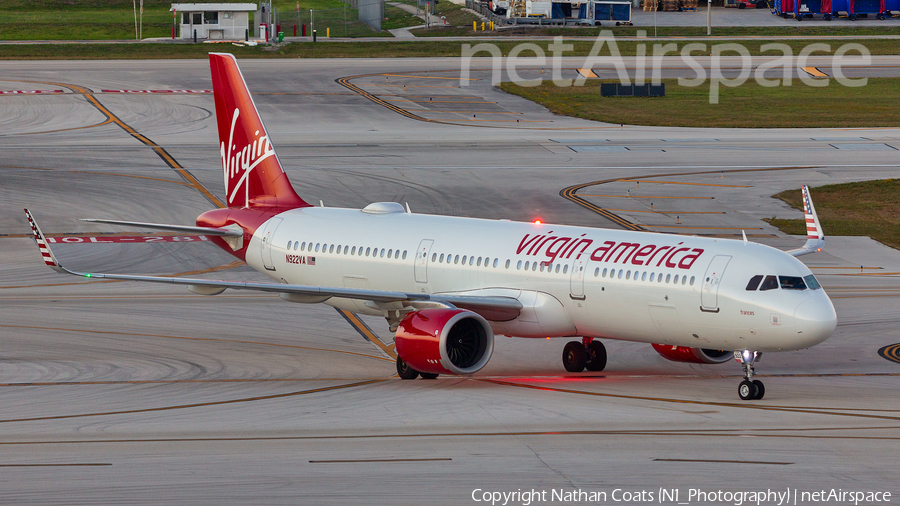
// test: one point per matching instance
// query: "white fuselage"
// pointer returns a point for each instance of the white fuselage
(572, 281)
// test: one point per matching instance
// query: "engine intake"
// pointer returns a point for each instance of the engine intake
(693, 355)
(444, 341)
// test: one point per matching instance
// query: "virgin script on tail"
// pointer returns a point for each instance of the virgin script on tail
(243, 161)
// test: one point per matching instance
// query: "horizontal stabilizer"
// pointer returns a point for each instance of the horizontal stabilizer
(230, 231)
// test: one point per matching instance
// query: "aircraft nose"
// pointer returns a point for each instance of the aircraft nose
(815, 320)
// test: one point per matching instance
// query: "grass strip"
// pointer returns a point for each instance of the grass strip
(867, 208)
(115, 19)
(367, 49)
(799, 105)
(465, 30)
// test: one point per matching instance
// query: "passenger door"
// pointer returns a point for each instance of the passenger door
(576, 281)
(422, 260)
(266, 243)
(709, 291)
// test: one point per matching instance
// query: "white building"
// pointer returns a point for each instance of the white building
(213, 21)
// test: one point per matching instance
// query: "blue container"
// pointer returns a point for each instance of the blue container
(613, 11)
(840, 6)
(806, 8)
(866, 6)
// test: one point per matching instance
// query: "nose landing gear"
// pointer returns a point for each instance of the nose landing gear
(588, 354)
(749, 389)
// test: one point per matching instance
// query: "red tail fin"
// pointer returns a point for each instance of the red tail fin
(253, 174)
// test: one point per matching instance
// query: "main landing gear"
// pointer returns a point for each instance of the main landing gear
(588, 354)
(749, 389)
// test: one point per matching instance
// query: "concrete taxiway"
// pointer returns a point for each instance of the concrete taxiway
(120, 392)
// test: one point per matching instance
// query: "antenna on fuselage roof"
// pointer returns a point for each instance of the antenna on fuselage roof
(407, 208)
(745, 236)
(321, 203)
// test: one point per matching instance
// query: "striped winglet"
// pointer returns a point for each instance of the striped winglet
(813, 229)
(815, 237)
(46, 253)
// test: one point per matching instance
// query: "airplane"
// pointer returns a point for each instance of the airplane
(447, 285)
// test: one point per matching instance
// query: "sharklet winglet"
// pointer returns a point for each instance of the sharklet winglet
(815, 236)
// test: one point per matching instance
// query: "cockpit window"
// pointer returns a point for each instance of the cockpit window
(812, 282)
(792, 283)
(770, 283)
(754, 282)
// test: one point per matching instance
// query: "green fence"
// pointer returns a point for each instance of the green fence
(342, 22)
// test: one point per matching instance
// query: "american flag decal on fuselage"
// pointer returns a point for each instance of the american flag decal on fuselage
(300, 259)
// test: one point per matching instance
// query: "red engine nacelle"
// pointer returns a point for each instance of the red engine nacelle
(693, 355)
(444, 341)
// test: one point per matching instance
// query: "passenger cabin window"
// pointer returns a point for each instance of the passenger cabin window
(754, 282)
(770, 283)
(792, 283)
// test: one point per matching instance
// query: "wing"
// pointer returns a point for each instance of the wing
(815, 237)
(492, 308)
